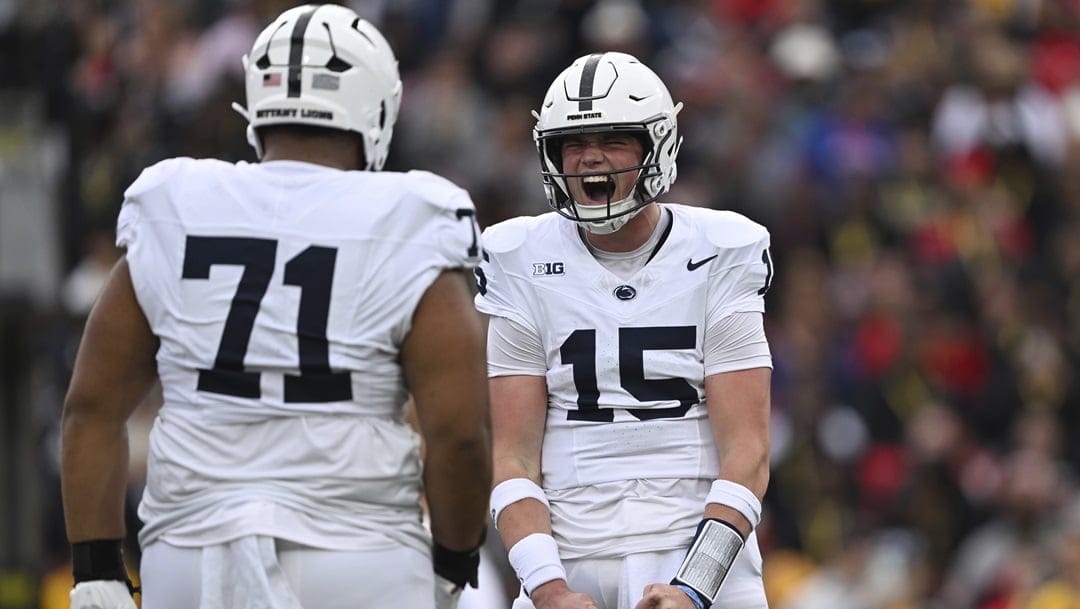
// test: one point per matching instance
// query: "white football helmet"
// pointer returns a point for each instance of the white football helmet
(322, 65)
(599, 93)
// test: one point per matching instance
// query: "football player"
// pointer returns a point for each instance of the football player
(629, 365)
(289, 307)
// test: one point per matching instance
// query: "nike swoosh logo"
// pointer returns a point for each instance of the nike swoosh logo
(691, 265)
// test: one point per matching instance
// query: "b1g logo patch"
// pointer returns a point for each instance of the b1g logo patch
(548, 268)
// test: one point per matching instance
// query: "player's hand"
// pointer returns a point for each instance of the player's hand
(447, 593)
(664, 596)
(556, 595)
(101, 594)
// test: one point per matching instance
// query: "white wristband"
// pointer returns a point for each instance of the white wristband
(511, 491)
(736, 497)
(535, 559)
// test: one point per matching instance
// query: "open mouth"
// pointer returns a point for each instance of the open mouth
(598, 188)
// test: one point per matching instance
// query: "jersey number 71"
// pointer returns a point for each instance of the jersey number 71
(312, 270)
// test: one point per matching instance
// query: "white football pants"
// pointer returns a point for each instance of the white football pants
(277, 574)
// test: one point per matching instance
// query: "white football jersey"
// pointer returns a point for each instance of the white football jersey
(281, 293)
(625, 365)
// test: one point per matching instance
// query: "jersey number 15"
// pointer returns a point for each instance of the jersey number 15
(579, 350)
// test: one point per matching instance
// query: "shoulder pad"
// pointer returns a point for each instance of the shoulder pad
(156, 174)
(507, 235)
(727, 229)
(434, 188)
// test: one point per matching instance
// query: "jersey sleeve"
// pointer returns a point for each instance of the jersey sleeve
(127, 223)
(501, 291)
(441, 234)
(514, 349)
(457, 235)
(736, 342)
(734, 333)
(132, 210)
(739, 286)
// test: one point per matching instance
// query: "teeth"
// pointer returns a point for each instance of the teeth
(599, 186)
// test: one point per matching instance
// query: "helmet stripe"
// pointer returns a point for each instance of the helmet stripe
(296, 50)
(588, 75)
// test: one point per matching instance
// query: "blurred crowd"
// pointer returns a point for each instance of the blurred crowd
(918, 165)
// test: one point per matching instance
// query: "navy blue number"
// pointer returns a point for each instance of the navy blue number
(465, 212)
(481, 281)
(257, 257)
(768, 272)
(633, 342)
(312, 270)
(481, 278)
(579, 351)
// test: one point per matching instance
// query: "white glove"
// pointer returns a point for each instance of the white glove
(101, 594)
(447, 593)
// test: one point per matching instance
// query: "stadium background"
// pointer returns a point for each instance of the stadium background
(917, 161)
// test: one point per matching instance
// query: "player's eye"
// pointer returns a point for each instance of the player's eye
(572, 144)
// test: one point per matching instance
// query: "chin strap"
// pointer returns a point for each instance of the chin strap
(252, 136)
(606, 226)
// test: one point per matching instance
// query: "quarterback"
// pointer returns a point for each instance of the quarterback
(629, 365)
(289, 308)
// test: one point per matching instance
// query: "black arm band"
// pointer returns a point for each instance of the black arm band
(459, 567)
(100, 559)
